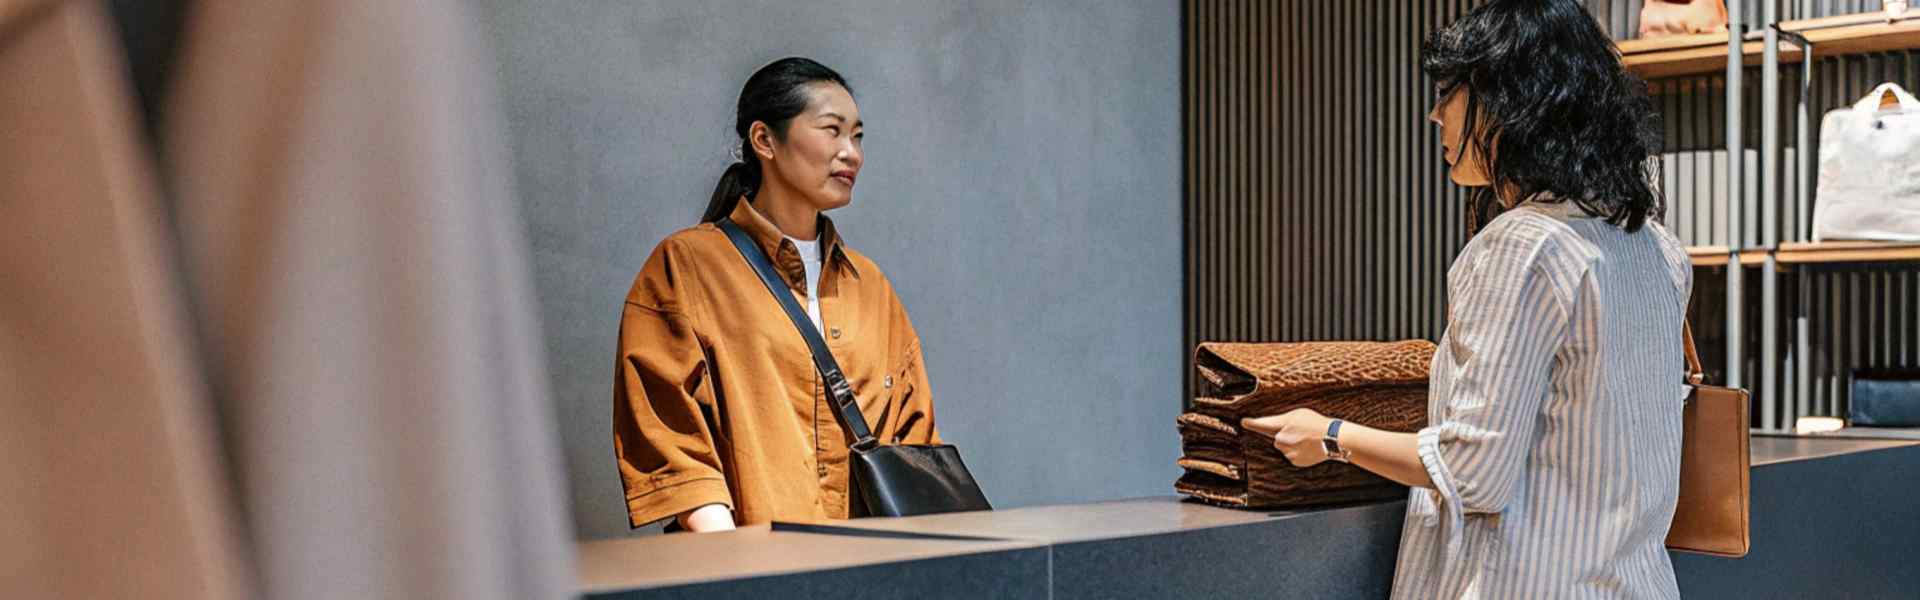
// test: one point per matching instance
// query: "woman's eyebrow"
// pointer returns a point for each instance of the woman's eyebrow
(836, 116)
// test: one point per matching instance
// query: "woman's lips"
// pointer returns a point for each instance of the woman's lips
(846, 177)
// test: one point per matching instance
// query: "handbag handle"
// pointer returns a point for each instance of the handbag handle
(1696, 375)
(1876, 100)
(845, 406)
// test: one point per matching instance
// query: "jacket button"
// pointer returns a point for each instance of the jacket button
(834, 331)
(887, 382)
(822, 469)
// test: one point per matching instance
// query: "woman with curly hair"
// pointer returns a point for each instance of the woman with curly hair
(1550, 466)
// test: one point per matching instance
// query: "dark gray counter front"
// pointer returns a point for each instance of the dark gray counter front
(1831, 518)
(1167, 547)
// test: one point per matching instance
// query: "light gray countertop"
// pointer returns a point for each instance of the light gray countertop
(680, 559)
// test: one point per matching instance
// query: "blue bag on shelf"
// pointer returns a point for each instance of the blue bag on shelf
(1885, 398)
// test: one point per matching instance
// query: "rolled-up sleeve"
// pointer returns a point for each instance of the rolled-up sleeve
(663, 401)
(1510, 317)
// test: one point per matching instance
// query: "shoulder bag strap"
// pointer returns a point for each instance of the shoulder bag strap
(1695, 374)
(845, 406)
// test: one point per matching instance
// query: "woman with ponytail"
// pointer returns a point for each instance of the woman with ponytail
(719, 416)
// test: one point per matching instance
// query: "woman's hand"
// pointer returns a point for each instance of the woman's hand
(708, 519)
(1297, 435)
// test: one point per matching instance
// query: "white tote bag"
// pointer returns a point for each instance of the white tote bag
(1870, 170)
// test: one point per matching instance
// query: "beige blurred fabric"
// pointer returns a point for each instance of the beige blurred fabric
(113, 483)
(345, 202)
(22, 12)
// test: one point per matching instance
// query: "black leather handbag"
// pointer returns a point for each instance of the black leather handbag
(889, 480)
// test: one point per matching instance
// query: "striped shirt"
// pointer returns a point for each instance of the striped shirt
(1554, 437)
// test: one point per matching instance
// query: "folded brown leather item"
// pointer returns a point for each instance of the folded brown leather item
(1219, 469)
(1222, 491)
(1212, 489)
(1245, 470)
(1255, 380)
(1381, 385)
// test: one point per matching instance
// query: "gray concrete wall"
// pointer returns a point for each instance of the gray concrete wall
(1022, 191)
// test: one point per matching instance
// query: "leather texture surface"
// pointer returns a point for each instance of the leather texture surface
(900, 481)
(1379, 384)
(1660, 18)
(1885, 399)
(1711, 516)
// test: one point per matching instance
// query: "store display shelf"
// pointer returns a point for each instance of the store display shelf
(1704, 53)
(1858, 34)
(1719, 256)
(1698, 54)
(1840, 252)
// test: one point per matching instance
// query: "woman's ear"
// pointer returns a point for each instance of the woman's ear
(761, 137)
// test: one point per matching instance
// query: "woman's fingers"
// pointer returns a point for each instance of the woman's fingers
(1262, 425)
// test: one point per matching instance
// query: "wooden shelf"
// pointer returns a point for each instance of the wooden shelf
(1719, 256)
(1698, 54)
(1858, 34)
(1835, 252)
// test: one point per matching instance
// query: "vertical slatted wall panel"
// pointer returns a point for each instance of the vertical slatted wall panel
(1318, 206)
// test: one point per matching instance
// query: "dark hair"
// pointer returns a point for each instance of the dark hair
(1569, 118)
(774, 95)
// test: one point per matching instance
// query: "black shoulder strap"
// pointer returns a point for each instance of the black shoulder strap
(846, 408)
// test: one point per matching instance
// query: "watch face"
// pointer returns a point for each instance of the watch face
(1332, 447)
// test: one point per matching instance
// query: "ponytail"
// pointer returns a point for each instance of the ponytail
(740, 179)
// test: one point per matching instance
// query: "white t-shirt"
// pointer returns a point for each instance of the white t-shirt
(810, 256)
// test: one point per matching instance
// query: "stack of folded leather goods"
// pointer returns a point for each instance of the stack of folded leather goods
(1378, 384)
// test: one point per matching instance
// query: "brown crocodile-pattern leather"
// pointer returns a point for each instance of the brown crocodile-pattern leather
(1206, 466)
(1381, 385)
(1239, 374)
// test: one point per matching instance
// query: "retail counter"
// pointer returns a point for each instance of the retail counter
(1831, 518)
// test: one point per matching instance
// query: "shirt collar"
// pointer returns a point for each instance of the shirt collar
(1551, 205)
(771, 240)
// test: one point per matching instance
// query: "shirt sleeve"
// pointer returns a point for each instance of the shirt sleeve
(1509, 319)
(663, 405)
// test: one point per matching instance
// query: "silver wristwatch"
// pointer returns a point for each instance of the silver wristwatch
(1332, 443)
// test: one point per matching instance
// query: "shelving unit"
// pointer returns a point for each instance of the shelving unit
(1682, 55)
(1858, 34)
(1720, 256)
(1700, 54)
(1800, 253)
(1846, 252)
(1767, 47)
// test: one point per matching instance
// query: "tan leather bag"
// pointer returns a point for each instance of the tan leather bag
(1715, 458)
(1681, 17)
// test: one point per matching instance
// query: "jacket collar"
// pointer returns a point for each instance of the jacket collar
(783, 252)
